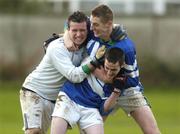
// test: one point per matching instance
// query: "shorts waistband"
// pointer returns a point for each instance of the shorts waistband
(26, 89)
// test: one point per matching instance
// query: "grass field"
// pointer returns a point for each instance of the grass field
(165, 105)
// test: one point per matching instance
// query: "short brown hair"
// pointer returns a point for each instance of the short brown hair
(114, 55)
(103, 12)
(78, 17)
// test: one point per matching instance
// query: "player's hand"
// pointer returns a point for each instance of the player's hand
(68, 43)
(119, 82)
(99, 57)
(100, 52)
(100, 73)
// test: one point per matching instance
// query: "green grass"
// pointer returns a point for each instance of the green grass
(165, 105)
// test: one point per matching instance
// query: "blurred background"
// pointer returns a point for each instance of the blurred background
(154, 26)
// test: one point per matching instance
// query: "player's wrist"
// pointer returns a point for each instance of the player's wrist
(86, 69)
(97, 62)
(116, 91)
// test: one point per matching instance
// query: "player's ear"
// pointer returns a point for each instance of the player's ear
(123, 64)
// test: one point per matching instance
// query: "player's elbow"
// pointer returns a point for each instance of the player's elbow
(76, 79)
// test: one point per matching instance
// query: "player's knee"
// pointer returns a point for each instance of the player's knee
(152, 130)
(34, 131)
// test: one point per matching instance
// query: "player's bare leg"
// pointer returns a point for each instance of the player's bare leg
(95, 129)
(58, 126)
(145, 118)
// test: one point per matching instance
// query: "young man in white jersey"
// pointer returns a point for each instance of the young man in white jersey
(85, 103)
(131, 100)
(41, 87)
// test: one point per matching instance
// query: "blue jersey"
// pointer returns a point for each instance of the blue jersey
(89, 93)
(130, 68)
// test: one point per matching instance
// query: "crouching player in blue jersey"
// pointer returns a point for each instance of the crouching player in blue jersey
(131, 100)
(85, 103)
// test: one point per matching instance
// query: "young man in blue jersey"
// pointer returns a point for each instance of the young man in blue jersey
(85, 103)
(131, 100)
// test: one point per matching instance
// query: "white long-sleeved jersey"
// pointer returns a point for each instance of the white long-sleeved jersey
(57, 65)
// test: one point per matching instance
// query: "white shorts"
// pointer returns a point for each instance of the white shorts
(74, 113)
(36, 111)
(130, 102)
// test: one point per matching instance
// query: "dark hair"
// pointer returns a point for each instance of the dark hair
(103, 12)
(114, 55)
(78, 17)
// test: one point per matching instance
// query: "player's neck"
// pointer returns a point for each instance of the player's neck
(106, 38)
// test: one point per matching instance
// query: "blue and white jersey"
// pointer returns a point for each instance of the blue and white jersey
(90, 93)
(130, 68)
